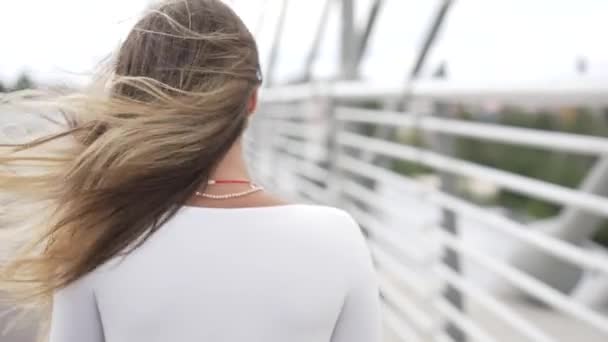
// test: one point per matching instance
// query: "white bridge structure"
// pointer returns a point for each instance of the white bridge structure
(449, 269)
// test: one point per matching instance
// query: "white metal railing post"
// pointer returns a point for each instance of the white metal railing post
(276, 42)
(348, 51)
(334, 181)
(316, 43)
(444, 145)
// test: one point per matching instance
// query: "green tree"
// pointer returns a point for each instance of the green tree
(601, 235)
(24, 82)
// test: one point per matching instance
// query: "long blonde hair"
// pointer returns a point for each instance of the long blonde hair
(126, 153)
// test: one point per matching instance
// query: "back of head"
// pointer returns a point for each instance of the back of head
(171, 104)
(189, 46)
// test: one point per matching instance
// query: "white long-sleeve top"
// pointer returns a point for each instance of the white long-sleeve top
(292, 273)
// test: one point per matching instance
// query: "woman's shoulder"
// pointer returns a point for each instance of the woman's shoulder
(320, 214)
(309, 217)
(318, 209)
(335, 230)
(335, 225)
(299, 228)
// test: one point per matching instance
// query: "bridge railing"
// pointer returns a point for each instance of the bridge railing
(316, 143)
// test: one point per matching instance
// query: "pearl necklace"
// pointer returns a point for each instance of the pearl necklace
(253, 189)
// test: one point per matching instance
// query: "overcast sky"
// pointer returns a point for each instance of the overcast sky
(493, 40)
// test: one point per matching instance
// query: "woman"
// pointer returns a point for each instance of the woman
(142, 223)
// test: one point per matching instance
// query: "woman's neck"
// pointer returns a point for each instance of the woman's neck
(233, 165)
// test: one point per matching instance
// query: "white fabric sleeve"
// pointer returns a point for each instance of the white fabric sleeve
(360, 320)
(75, 315)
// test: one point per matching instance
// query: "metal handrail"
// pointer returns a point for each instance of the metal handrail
(540, 189)
(556, 141)
(530, 285)
(308, 152)
(573, 92)
(526, 282)
(517, 230)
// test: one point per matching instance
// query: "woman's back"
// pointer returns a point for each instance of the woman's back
(272, 274)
